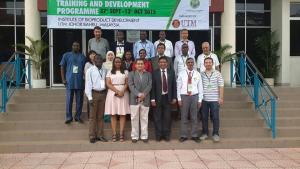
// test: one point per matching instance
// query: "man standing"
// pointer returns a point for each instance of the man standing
(213, 94)
(121, 46)
(161, 53)
(71, 71)
(143, 43)
(163, 94)
(95, 90)
(189, 96)
(140, 84)
(184, 34)
(98, 44)
(180, 61)
(168, 44)
(207, 53)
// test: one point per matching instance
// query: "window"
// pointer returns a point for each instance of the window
(294, 29)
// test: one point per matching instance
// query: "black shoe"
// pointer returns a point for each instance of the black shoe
(182, 139)
(145, 140)
(158, 139)
(134, 140)
(68, 121)
(196, 139)
(92, 140)
(167, 139)
(101, 138)
(79, 120)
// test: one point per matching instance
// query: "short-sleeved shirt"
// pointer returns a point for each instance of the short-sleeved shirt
(73, 64)
(100, 47)
(200, 61)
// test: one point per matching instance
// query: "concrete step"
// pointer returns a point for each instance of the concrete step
(288, 112)
(288, 104)
(280, 90)
(288, 131)
(83, 145)
(80, 134)
(288, 122)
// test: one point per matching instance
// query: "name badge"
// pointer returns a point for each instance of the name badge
(120, 54)
(75, 69)
(209, 87)
(189, 87)
(102, 83)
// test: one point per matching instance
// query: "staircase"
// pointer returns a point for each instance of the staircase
(35, 123)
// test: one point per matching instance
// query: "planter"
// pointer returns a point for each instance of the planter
(270, 81)
(40, 83)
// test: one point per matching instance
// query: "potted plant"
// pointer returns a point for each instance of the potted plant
(267, 47)
(35, 52)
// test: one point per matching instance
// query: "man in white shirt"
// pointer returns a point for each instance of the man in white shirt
(95, 91)
(180, 61)
(184, 34)
(168, 44)
(189, 96)
(207, 53)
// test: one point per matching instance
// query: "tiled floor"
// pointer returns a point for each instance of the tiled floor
(288, 158)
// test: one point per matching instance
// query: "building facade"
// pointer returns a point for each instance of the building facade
(238, 23)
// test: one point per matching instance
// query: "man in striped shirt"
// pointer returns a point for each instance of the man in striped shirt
(213, 92)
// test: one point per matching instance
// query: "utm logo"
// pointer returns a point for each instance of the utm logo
(195, 3)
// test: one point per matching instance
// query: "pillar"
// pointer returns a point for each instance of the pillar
(228, 34)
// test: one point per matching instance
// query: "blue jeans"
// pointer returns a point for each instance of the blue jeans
(213, 108)
(69, 105)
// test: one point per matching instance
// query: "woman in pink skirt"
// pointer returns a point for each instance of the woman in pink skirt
(117, 99)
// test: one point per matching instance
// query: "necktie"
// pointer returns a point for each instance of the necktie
(189, 92)
(165, 85)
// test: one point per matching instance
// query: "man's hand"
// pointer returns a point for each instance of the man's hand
(179, 103)
(199, 105)
(91, 102)
(64, 82)
(221, 101)
(153, 103)
(173, 101)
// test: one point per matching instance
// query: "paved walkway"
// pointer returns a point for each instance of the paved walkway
(288, 158)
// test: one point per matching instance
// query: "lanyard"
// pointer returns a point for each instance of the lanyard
(208, 77)
(188, 73)
(99, 71)
(184, 61)
(144, 45)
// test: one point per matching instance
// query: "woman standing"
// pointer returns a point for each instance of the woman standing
(109, 60)
(128, 60)
(117, 99)
(90, 60)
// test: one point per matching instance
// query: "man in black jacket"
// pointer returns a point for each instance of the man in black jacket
(163, 94)
(121, 46)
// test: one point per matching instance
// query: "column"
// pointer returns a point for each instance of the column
(32, 24)
(280, 13)
(228, 34)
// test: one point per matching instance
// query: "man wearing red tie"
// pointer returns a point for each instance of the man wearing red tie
(163, 94)
(189, 96)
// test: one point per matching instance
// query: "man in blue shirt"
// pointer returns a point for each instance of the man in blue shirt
(72, 66)
(143, 43)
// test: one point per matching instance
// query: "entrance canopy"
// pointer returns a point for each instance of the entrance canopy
(129, 14)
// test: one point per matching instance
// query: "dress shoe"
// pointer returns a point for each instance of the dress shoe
(158, 139)
(145, 140)
(196, 139)
(92, 140)
(79, 120)
(101, 138)
(134, 140)
(167, 138)
(68, 121)
(182, 139)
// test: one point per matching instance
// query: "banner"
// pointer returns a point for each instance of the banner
(129, 14)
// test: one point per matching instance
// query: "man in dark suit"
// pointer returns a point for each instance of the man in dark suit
(121, 46)
(163, 94)
(160, 53)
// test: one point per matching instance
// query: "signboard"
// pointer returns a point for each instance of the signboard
(129, 14)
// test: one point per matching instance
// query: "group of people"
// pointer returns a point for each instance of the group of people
(130, 79)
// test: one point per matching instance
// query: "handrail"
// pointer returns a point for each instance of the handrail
(12, 75)
(251, 80)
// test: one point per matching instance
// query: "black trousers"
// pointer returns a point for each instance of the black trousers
(162, 117)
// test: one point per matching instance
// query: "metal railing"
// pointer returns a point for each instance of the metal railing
(12, 76)
(251, 80)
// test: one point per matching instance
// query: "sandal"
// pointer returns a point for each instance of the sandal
(114, 138)
(122, 137)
